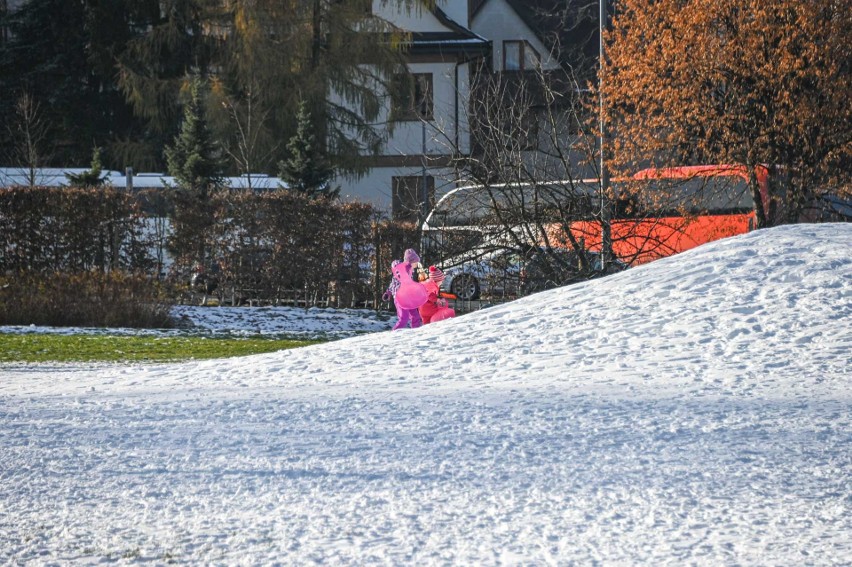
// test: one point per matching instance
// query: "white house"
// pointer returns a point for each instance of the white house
(414, 163)
(449, 42)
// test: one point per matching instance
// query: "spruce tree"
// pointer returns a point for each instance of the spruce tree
(307, 169)
(194, 161)
(91, 177)
(194, 158)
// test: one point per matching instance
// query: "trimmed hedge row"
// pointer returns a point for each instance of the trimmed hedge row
(46, 230)
(87, 299)
(247, 244)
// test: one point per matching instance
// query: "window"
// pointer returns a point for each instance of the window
(412, 97)
(520, 56)
(407, 198)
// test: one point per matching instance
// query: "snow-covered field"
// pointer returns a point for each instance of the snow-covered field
(242, 322)
(693, 411)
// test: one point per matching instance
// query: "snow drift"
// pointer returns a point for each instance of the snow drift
(692, 410)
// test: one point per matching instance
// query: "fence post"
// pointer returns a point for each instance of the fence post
(377, 270)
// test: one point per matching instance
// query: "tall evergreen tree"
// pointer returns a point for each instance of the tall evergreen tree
(194, 159)
(45, 58)
(307, 169)
(195, 163)
(272, 54)
(109, 73)
(60, 53)
(153, 67)
(337, 39)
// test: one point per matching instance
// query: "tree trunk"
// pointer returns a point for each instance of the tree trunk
(757, 197)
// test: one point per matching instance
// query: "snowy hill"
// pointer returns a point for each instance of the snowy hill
(692, 410)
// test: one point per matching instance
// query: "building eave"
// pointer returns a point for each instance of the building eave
(447, 43)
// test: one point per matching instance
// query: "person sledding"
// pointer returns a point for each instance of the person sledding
(435, 309)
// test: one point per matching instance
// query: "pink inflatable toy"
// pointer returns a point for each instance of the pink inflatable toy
(442, 313)
(411, 294)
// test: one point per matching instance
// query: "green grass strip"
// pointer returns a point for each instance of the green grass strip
(97, 348)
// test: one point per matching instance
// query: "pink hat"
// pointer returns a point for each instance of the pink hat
(436, 275)
(411, 256)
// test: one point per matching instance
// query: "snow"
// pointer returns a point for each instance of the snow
(57, 177)
(695, 410)
(271, 322)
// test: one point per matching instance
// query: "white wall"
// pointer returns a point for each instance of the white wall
(407, 135)
(407, 139)
(456, 10)
(376, 186)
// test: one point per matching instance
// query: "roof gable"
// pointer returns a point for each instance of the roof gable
(432, 30)
(569, 30)
(526, 11)
(499, 21)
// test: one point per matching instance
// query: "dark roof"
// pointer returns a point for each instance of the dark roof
(458, 39)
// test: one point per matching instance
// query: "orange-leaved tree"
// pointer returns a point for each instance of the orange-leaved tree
(749, 84)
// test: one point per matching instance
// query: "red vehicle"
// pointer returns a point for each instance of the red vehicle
(668, 210)
(659, 212)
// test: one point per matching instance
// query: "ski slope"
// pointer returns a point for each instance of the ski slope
(695, 410)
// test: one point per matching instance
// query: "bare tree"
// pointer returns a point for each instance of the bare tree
(532, 163)
(535, 186)
(251, 144)
(30, 132)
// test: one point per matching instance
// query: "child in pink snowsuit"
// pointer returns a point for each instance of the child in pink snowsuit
(405, 316)
(435, 309)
